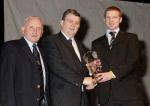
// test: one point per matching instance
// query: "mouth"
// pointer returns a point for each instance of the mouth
(33, 35)
(111, 24)
(72, 29)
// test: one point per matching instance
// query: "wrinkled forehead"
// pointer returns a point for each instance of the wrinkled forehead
(33, 20)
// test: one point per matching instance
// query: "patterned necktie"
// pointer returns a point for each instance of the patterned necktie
(38, 63)
(112, 39)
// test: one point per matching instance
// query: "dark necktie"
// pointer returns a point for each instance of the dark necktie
(70, 41)
(38, 63)
(76, 50)
(112, 39)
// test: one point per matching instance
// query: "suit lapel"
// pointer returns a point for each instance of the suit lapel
(26, 49)
(69, 46)
(115, 42)
(118, 38)
(105, 42)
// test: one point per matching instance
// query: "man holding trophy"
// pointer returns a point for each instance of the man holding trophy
(69, 77)
(118, 84)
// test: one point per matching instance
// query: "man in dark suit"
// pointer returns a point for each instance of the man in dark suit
(119, 53)
(22, 76)
(64, 55)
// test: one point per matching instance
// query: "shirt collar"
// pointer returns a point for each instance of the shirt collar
(30, 44)
(116, 31)
(66, 36)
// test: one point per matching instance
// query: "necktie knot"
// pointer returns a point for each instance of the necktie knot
(70, 41)
(35, 51)
(34, 45)
(112, 35)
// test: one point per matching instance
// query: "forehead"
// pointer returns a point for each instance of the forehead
(112, 12)
(33, 21)
(72, 17)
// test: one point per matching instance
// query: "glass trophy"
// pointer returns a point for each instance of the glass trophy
(89, 57)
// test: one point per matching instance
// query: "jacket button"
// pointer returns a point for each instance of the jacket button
(38, 99)
(38, 86)
(76, 84)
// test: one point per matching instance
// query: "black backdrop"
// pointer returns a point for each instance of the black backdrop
(140, 1)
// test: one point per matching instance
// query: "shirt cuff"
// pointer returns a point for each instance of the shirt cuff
(112, 74)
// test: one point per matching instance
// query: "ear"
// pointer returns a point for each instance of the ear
(61, 23)
(104, 20)
(120, 19)
(22, 30)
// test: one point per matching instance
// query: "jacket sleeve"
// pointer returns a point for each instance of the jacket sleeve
(7, 70)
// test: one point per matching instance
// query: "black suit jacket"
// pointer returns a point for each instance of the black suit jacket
(67, 72)
(122, 60)
(19, 75)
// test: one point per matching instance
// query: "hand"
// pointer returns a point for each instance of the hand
(89, 82)
(103, 77)
(89, 87)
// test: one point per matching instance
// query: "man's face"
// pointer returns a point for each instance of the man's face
(33, 30)
(112, 19)
(70, 25)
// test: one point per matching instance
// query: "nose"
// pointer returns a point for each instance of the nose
(35, 31)
(73, 24)
(111, 19)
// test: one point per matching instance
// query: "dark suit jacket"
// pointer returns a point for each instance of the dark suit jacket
(121, 59)
(19, 75)
(67, 72)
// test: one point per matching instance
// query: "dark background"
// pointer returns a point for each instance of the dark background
(140, 1)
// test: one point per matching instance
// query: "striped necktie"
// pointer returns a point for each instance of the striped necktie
(36, 55)
(112, 38)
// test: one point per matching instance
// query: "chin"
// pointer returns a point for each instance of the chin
(112, 28)
(35, 41)
(72, 34)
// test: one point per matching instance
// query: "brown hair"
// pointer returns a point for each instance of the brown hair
(113, 8)
(70, 11)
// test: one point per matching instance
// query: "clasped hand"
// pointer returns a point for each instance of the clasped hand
(89, 82)
(103, 77)
(94, 68)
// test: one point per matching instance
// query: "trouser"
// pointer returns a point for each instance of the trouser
(84, 99)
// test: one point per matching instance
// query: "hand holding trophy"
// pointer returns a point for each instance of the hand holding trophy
(92, 62)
